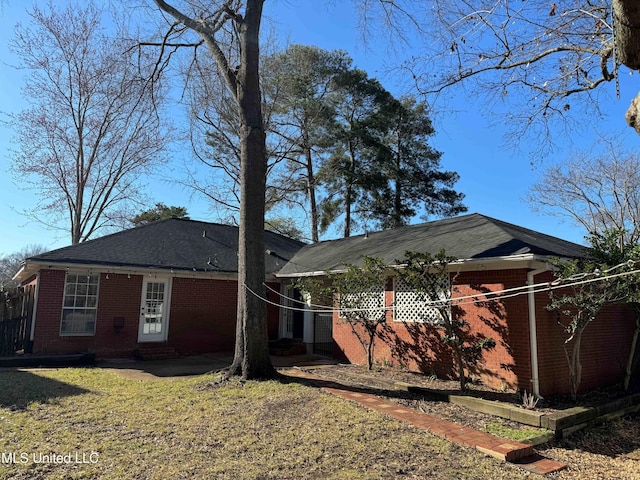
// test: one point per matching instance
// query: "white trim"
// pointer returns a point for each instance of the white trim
(528, 260)
(32, 268)
(533, 334)
(80, 272)
(166, 309)
(32, 334)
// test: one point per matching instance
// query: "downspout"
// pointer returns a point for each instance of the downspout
(32, 334)
(533, 338)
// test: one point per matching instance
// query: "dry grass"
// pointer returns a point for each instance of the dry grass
(608, 452)
(171, 429)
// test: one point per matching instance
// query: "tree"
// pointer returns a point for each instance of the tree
(544, 58)
(10, 264)
(428, 276)
(411, 168)
(581, 301)
(302, 89)
(579, 307)
(284, 226)
(159, 212)
(238, 23)
(358, 293)
(215, 139)
(598, 192)
(382, 167)
(92, 128)
(626, 23)
(352, 169)
(622, 259)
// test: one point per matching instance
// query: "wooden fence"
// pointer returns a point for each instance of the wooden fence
(16, 308)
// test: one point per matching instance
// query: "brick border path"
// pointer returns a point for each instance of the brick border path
(509, 451)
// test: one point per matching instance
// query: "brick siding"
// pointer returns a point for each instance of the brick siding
(417, 346)
(202, 316)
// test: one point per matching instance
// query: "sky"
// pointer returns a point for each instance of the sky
(493, 177)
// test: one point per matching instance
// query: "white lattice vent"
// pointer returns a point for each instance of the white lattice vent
(416, 306)
(369, 304)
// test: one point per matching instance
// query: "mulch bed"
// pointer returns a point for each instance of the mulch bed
(610, 451)
(379, 382)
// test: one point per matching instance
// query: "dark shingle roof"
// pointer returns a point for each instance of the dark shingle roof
(175, 243)
(466, 237)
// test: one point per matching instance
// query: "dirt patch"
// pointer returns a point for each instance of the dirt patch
(611, 451)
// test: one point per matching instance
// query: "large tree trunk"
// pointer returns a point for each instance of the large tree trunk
(626, 34)
(252, 342)
(626, 31)
(251, 357)
(311, 193)
(348, 195)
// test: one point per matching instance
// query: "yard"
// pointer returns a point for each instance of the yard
(129, 429)
(96, 423)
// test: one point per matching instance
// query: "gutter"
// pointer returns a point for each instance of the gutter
(34, 267)
(32, 333)
(488, 263)
(533, 338)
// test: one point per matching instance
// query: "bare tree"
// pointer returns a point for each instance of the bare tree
(598, 192)
(10, 263)
(535, 62)
(91, 129)
(215, 139)
(532, 58)
(230, 30)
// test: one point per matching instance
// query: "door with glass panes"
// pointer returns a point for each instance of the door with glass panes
(154, 310)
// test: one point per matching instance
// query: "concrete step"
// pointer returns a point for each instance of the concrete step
(155, 352)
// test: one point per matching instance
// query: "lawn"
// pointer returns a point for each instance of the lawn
(91, 423)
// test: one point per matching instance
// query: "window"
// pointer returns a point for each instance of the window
(80, 304)
(413, 306)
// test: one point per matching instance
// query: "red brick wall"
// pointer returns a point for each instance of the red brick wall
(508, 365)
(119, 296)
(605, 347)
(48, 313)
(202, 316)
(418, 346)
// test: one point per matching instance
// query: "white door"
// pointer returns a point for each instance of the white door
(154, 310)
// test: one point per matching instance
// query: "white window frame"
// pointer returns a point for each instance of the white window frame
(80, 304)
(409, 308)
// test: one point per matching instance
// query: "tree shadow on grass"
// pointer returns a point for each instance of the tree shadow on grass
(18, 388)
(316, 382)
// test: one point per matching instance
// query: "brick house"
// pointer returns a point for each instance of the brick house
(172, 286)
(161, 289)
(493, 256)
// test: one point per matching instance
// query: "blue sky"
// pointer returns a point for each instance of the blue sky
(494, 178)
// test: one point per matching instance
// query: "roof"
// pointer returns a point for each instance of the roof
(177, 244)
(467, 237)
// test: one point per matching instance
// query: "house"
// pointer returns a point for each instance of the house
(161, 289)
(493, 256)
(171, 287)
